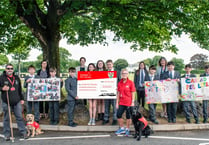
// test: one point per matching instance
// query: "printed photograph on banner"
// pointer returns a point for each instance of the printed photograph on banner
(44, 90)
(161, 91)
(194, 89)
(97, 84)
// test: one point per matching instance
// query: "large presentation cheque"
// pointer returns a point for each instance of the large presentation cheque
(97, 84)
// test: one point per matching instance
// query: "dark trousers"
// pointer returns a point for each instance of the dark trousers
(108, 103)
(31, 104)
(17, 109)
(152, 112)
(205, 109)
(186, 105)
(43, 107)
(71, 108)
(54, 111)
(171, 111)
(141, 97)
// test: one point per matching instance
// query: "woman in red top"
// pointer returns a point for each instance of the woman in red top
(125, 99)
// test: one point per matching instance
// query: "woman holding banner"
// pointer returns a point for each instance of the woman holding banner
(162, 68)
(44, 73)
(92, 102)
(100, 102)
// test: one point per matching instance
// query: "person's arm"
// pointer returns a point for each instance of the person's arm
(118, 99)
(25, 85)
(20, 91)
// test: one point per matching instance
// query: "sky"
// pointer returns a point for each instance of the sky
(116, 50)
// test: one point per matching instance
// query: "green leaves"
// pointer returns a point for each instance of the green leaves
(120, 64)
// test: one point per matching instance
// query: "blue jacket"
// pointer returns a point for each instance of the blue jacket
(71, 88)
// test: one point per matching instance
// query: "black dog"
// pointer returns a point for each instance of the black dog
(140, 124)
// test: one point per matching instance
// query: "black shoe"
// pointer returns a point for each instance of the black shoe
(169, 121)
(51, 122)
(7, 138)
(188, 121)
(174, 120)
(114, 122)
(98, 117)
(155, 122)
(205, 121)
(197, 121)
(105, 122)
(102, 116)
(72, 124)
(55, 122)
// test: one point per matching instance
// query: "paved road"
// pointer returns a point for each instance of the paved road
(158, 138)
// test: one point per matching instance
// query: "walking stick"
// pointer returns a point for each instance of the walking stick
(10, 117)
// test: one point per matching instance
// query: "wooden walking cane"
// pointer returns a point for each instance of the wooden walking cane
(10, 116)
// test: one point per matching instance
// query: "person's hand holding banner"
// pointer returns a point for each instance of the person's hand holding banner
(5, 88)
(76, 97)
(28, 81)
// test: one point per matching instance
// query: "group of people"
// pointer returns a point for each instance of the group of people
(99, 109)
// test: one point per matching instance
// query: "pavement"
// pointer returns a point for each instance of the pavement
(110, 128)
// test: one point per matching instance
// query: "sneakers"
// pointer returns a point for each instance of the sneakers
(72, 124)
(120, 131)
(92, 122)
(127, 132)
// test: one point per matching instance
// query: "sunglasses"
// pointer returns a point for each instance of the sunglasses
(10, 68)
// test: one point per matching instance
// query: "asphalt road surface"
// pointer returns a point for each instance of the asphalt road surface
(98, 138)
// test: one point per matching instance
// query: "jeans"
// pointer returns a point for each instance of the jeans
(152, 112)
(171, 111)
(71, 108)
(108, 103)
(54, 111)
(141, 97)
(186, 105)
(17, 109)
(205, 109)
(36, 109)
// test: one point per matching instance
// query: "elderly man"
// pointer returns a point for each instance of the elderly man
(11, 83)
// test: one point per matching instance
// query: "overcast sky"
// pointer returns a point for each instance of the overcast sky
(117, 50)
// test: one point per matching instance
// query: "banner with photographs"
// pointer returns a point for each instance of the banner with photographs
(195, 89)
(44, 89)
(161, 91)
(97, 84)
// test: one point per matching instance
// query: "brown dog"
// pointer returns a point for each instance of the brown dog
(33, 127)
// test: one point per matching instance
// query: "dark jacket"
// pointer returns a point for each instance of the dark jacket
(137, 79)
(203, 75)
(47, 71)
(14, 96)
(147, 77)
(176, 75)
(71, 88)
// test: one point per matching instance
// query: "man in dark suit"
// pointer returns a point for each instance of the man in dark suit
(152, 107)
(205, 102)
(186, 104)
(171, 107)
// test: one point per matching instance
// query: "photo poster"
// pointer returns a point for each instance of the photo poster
(44, 89)
(194, 89)
(161, 91)
(97, 84)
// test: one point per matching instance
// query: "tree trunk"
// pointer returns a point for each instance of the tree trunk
(19, 65)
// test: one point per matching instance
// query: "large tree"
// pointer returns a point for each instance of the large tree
(120, 64)
(198, 61)
(147, 24)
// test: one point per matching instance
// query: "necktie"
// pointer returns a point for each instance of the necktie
(170, 75)
(142, 77)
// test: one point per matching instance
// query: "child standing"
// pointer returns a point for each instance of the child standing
(28, 78)
(205, 102)
(71, 88)
(54, 105)
(92, 102)
(152, 107)
(171, 107)
(186, 104)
